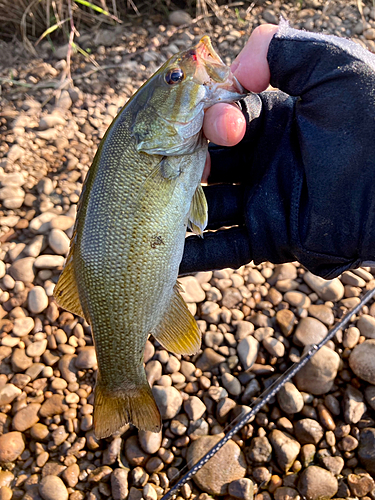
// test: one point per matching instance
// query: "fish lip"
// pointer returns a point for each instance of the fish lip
(205, 50)
(225, 92)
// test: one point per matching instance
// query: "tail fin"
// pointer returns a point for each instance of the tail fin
(114, 409)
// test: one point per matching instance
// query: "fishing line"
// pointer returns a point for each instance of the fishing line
(268, 394)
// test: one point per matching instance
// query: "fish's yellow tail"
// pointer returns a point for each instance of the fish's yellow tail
(114, 409)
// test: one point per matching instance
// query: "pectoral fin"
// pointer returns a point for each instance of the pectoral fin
(178, 332)
(198, 215)
(66, 292)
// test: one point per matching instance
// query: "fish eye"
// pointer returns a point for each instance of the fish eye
(175, 75)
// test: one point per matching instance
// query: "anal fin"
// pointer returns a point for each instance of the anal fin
(178, 331)
(198, 215)
(66, 292)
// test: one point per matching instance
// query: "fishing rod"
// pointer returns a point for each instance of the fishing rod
(267, 395)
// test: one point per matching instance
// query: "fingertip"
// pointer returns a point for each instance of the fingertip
(251, 65)
(224, 124)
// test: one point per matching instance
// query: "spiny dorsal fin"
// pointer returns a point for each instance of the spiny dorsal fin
(198, 214)
(178, 332)
(66, 292)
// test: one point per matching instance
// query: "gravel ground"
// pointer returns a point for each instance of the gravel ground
(315, 440)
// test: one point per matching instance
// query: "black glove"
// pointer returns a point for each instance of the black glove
(301, 184)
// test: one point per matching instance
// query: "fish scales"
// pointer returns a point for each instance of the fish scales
(140, 194)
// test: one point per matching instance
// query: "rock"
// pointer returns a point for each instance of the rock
(20, 361)
(351, 279)
(70, 475)
(244, 328)
(366, 449)
(49, 261)
(53, 406)
(360, 484)
(322, 313)
(231, 384)
(119, 484)
(260, 450)
(318, 375)
(286, 493)
(169, 401)
(49, 121)
(37, 300)
(247, 351)
(193, 291)
(351, 337)
(242, 489)
(154, 371)
(39, 432)
(59, 241)
(297, 299)
(149, 492)
(366, 325)
(209, 359)
(36, 349)
(231, 298)
(179, 17)
(274, 347)
(308, 431)
(41, 223)
(285, 447)
(309, 331)
(332, 290)
(22, 270)
(67, 367)
(354, 407)
(317, 484)
(86, 358)
(227, 465)
(361, 361)
(370, 396)
(252, 389)
(333, 464)
(11, 446)
(150, 441)
(290, 399)
(8, 393)
(26, 417)
(286, 320)
(263, 333)
(134, 453)
(22, 326)
(194, 408)
(53, 488)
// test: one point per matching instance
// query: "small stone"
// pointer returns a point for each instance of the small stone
(360, 484)
(370, 396)
(290, 399)
(179, 17)
(285, 447)
(255, 277)
(242, 489)
(354, 407)
(317, 484)
(134, 453)
(86, 358)
(71, 475)
(49, 261)
(366, 325)
(193, 291)
(351, 337)
(318, 375)
(169, 401)
(53, 488)
(260, 450)
(194, 408)
(22, 270)
(274, 347)
(286, 493)
(37, 300)
(297, 299)
(49, 121)
(150, 441)
(59, 241)
(11, 446)
(244, 328)
(217, 393)
(20, 361)
(39, 432)
(53, 406)
(209, 359)
(247, 351)
(308, 431)
(62, 222)
(8, 393)
(149, 492)
(36, 349)
(119, 484)
(231, 384)
(252, 389)
(322, 313)
(328, 290)
(231, 298)
(361, 361)
(227, 465)
(309, 331)
(286, 320)
(22, 326)
(366, 449)
(333, 464)
(26, 417)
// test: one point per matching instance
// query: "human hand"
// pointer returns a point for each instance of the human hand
(305, 167)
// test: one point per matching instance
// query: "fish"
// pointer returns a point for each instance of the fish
(140, 195)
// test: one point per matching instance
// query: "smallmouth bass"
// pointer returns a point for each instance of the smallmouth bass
(141, 193)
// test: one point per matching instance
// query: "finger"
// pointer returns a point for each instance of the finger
(225, 205)
(216, 250)
(251, 66)
(224, 124)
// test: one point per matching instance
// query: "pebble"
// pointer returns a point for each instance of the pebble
(285, 447)
(227, 465)
(231, 384)
(316, 483)
(37, 300)
(23, 270)
(26, 417)
(12, 446)
(286, 319)
(53, 406)
(247, 351)
(194, 408)
(193, 291)
(322, 313)
(20, 361)
(308, 431)
(179, 17)
(361, 361)
(23, 326)
(366, 449)
(243, 329)
(169, 401)
(328, 290)
(53, 488)
(8, 393)
(354, 407)
(71, 475)
(59, 241)
(260, 450)
(290, 399)
(297, 299)
(274, 347)
(366, 325)
(318, 375)
(49, 261)
(86, 358)
(309, 331)
(370, 396)
(150, 441)
(242, 489)
(351, 337)
(119, 484)
(208, 360)
(333, 464)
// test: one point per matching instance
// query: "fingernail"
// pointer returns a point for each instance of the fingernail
(235, 65)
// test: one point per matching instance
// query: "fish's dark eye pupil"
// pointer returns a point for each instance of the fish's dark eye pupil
(174, 76)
